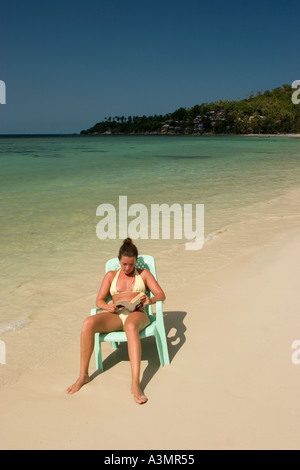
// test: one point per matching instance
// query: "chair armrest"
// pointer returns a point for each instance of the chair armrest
(159, 312)
(94, 311)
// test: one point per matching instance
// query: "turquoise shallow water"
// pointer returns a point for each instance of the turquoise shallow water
(50, 188)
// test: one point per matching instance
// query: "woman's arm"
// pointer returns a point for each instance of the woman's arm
(154, 287)
(104, 292)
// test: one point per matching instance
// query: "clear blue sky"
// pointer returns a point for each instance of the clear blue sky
(68, 64)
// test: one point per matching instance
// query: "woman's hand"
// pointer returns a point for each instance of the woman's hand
(145, 300)
(112, 308)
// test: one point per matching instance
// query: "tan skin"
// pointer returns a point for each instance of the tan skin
(109, 320)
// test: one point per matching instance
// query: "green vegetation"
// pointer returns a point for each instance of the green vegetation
(271, 112)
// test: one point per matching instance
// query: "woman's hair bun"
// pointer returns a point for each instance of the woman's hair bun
(128, 249)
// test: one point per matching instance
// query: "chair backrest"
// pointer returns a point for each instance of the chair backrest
(142, 262)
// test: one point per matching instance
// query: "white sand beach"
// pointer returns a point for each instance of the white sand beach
(231, 383)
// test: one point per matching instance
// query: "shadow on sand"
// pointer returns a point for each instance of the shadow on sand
(175, 332)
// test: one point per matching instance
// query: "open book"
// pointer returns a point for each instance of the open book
(133, 305)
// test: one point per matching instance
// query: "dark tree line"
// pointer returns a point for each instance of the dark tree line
(266, 113)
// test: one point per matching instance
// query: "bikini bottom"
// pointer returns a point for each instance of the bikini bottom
(124, 314)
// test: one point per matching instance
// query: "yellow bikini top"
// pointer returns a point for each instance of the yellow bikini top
(139, 285)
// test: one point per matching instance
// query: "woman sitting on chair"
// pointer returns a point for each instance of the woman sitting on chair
(124, 284)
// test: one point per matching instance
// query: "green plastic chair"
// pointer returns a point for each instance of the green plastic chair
(156, 327)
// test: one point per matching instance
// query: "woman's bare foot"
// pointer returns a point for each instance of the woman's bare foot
(138, 395)
(82, 380)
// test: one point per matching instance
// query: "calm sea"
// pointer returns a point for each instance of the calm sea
(51, 187)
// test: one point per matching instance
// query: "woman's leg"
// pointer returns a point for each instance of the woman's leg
(135, 323)
(100, 323)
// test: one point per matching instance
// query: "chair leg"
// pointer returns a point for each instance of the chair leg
(159, 350)
(162, 347)
(98, 355)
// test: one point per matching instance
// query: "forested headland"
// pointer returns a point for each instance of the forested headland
(270, 112)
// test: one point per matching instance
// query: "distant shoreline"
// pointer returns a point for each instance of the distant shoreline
(271, 112)
(145, 134)
(207, 134)
(292, 135)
